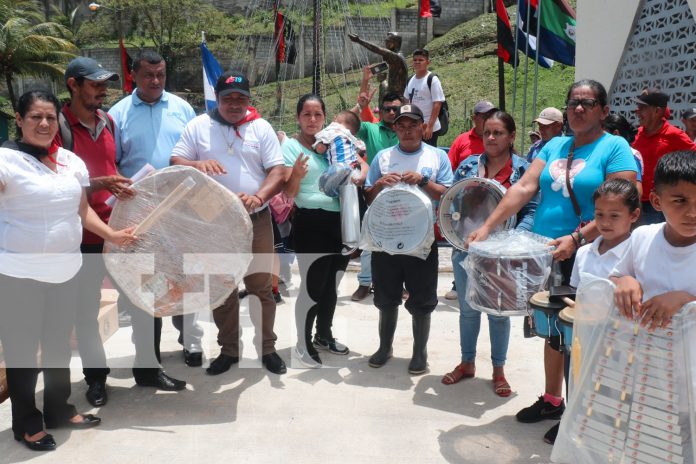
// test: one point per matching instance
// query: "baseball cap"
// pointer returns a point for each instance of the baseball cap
(86, 67)
(484, 106)
(689, 114)
(549, 116)
(231, 82)
(653, 97)
(409, 111)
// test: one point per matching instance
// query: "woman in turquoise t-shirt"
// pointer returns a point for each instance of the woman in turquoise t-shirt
(597, 156)
(316, 236)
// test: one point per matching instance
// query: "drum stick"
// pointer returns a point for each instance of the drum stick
(568, 301)
(167, 204)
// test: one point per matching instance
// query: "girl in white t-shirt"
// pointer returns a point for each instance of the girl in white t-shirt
(617, 208)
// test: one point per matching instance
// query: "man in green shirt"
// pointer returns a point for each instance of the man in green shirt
(377, 137)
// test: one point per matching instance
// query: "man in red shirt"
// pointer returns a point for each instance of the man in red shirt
(470, 142)
(88, 132)
(656, 137)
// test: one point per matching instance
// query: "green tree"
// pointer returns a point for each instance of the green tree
(28, 45)
(173, 27)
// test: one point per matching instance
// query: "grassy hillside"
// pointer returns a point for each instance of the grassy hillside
(466, 63)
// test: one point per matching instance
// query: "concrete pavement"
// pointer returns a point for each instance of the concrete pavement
(345, 412)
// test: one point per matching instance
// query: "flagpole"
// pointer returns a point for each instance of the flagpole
(316, 50)
(514, 77)
(281, 30)
(536, 65)
(526, 74)
(501, 83)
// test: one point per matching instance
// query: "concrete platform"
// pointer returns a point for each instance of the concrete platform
(345, 412)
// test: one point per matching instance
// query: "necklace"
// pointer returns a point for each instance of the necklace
(230, 150)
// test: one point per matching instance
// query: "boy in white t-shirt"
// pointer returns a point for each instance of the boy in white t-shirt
(656, 276)
(429, 98)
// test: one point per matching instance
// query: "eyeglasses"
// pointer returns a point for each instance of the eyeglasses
(391, 109)
(586, 103)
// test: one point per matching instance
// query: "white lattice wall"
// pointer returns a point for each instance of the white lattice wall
(660, 52)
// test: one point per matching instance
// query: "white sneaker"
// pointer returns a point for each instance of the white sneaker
(451, 295)
(305, 359)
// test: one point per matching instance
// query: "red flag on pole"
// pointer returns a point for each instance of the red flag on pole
(279, 37)
(126, 66)
(425, 9)
(506, 42)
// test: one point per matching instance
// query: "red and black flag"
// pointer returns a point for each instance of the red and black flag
(506, 41)
(284, 37)
(126, 66)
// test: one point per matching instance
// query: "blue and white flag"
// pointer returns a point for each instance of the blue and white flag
(211, 71)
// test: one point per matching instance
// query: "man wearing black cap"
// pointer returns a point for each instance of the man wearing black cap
(689, 120)
(656, 137)
(412, 162)
(88, 131)
(231, 139)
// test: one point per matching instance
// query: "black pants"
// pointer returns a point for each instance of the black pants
(432, 141)
(390, 273)
(317, 241)
(89, 341)
(34, 314)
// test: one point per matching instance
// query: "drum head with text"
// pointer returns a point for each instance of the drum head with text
(466, 205)
(398, 220)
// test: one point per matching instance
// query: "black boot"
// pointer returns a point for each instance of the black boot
(421, 330)
(387, 327)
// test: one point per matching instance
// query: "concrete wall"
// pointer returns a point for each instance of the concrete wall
(455, 12)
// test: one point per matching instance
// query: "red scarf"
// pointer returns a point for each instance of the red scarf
(251, 115)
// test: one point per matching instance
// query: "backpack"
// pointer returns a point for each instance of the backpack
(444, 115)
(66, 134)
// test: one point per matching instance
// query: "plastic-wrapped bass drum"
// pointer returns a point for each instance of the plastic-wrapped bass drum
(466, 205)
(194, 243)
(399, 222)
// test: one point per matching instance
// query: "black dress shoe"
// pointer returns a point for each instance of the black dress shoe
(193, 359)
(162, 382)
(274, 363)
(96, 394)
(88, 421)
(47, 443)
(221, 364)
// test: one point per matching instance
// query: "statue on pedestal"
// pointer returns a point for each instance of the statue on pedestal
(398, 69)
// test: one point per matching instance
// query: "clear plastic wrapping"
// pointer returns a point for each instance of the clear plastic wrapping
(399, 221)
(350, 216)
(505, 270)
(194, 242)
(633, 390)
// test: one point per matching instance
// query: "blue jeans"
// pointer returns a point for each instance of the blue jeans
(470, 321)
(365, 274)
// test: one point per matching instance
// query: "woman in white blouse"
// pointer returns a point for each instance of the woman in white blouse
(43, 207)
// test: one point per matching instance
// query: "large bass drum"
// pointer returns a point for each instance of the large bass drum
(466, 205)
(194, 243)
(399, 222)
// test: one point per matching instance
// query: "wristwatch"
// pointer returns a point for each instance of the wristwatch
(424, 181)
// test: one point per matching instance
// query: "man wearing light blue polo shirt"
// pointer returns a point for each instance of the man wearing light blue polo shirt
(148, 123)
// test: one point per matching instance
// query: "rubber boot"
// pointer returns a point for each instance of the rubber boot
(421, 331)
(387, 327)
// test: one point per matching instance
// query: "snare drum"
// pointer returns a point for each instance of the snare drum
(545, 315)
(506, 270)
(466, 205)
(566, 318)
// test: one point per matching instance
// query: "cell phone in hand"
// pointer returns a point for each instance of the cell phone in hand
(379, 68)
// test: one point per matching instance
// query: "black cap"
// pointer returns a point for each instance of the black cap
(88, 68)
(689, 114)
(653, 97)
(231, 82)
(409, 111)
